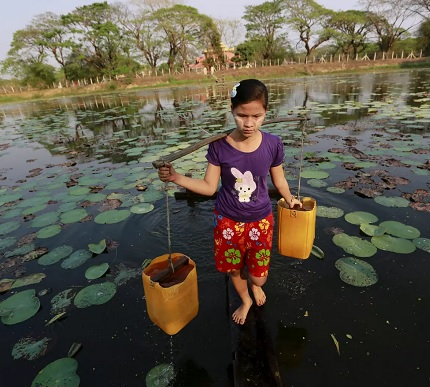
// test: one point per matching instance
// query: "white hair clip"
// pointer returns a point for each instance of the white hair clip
(234, 91)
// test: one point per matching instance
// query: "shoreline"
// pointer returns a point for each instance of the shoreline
(165, 81)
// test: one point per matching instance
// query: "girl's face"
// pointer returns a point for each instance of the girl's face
(249, 117)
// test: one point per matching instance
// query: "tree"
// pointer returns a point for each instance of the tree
(420, 7)
(264, 23)
(311, 21)
(185, 28)
(350, 30)
(39, 75)
(391, 20)
(424, 37)
(231, 30)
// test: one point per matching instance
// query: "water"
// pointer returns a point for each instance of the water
(307, 301)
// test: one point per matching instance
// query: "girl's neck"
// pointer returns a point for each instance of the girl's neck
(243, 143)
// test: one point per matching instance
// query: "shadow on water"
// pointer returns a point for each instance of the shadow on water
(382, 330)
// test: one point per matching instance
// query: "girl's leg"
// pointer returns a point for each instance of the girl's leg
(240, 283)
(256, 284)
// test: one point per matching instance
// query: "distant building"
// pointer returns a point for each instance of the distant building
(199, 63)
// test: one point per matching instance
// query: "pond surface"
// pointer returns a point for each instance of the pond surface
(66, 162)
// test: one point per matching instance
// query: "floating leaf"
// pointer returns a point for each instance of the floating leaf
(142, 208)
(314, 174)
(400, 230)
(55, 318)
(372, 230)
(19, 307)
(160, 376)
(393, 244)
(61, 301)
(61, 372)
(73, 216)
(49, 231)
(356, 272)
(30, 349)
(8, 227)
(96, 294)
(390, 201)
(98, 248)
(74, 349)
(422, 243)
(76, 259)
(317, 252)
(28, 280)
(354, 245)
(359, 217)
(55, 255)
(336, 343)
(96, 271)
(329, 212)
(112, 216)
(45, 219)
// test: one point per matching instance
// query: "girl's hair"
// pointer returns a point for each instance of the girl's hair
(249, 90)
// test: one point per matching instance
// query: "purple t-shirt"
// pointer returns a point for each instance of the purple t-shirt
(244, 195)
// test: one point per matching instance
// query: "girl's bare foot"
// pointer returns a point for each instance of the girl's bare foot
(239, 316)
(259, 295)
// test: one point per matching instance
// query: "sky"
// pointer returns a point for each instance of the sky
(16, 14)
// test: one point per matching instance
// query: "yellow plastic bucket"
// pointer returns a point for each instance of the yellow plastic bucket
(296, 228)
(173, 303)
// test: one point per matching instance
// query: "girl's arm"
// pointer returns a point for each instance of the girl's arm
(206, 186)
(281, 184)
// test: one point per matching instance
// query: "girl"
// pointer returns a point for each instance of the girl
(243, 219)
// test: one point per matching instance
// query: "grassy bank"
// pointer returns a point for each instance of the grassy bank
(226, 76)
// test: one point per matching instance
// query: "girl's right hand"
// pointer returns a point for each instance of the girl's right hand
(166, 173)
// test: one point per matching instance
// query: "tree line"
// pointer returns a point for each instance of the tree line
(105, 40)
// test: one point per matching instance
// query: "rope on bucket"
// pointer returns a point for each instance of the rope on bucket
(303, 129)
(169, 242)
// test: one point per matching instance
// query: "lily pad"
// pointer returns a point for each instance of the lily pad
(96, 271)
(61, 301)
(98, 248)
(356, 272)
(73, 216)
(372, 230)
(61, 372)
(7, 242)
(76, 259)
(30, 279)
(160, 376)
(19, 307)
(329, 212)
(142, 208)
(29, 348)
(112, 216)
(49, 231)
(45, 219)
(354, 245)
(317, 252)
(55, 255)
(391, 201)
(422, 243)
(393, 244)
(359, 217)
(400, 230)
(8, 227)
(96, 294)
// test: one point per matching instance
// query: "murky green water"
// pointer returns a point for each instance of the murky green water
(368, 132)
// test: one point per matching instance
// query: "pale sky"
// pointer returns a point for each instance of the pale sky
(16, 14)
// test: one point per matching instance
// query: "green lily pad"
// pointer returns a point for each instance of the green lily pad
(400, 230)
(372, 230)
(335, 190)
(112, 216)
(45, 219)
(30, 279)
(8, 227)
(96, 271)
(354, 245)
(359, 217)
(19, 307)
(96, 294)
(55, 255)
(313, 174)
(76, 259)
(422, 243)
(329, 212)
(317, 252)
(79, 191)
(160, 376)
(391, 201)
(7, 242)
(49, 231)
(61, 372)
(393, 244)
(98, 248)
(73, 216)
(142, 208)
(30, 349)
(356, 272)
(61, 301)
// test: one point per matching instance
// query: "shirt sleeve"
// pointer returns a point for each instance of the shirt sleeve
(212, 154)
(278, 157)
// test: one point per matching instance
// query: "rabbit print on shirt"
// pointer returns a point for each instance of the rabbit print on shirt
(245, 184)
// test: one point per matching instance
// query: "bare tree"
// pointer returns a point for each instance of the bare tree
(231, 30)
